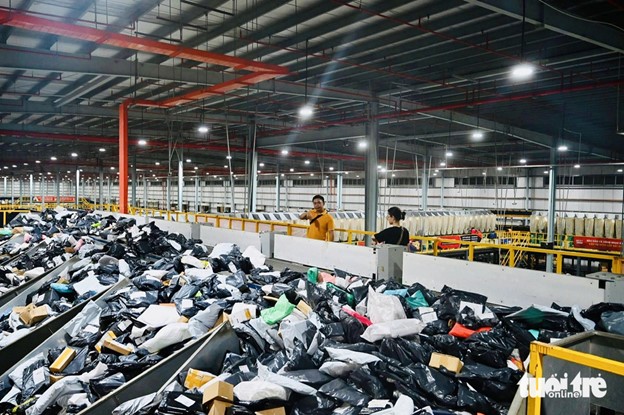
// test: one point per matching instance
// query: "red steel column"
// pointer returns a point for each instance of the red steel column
(123, 157)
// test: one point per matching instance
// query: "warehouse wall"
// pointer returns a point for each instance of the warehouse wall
(503, 193)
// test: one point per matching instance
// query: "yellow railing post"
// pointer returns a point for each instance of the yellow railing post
(559, 263)
(535, 369)
(435, 247)
(471, 252)
(512, 257)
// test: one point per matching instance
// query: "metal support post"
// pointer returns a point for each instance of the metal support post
(101, 191)
(339, 178)
(77, 187)
(43, 193)
(278, 189)
(168, 201)
(552, 198)
(197, 208)
(425, 180)
(145, 191)
(57, 185)
(371, 186)
(32, 188)
(180, 182)
(133, 173)
(442, 190)
(108, 179)
(252, 195)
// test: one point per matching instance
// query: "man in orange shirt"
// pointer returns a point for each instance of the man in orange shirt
(321, 223)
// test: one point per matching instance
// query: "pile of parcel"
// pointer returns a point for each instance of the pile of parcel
(314, 343)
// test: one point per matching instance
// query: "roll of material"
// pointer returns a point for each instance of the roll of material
(609, 225)
(579, 226)
(599, 228)
(589, 226)
(569, 225)
(561, 225)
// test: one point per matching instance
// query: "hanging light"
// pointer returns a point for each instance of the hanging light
(142, 142)
(577, 166)
(306, 112)
(477, 135)
(203, 129)
(362, 144)
(562, 148)
(522, 71)
(523, 161)
(284, 152)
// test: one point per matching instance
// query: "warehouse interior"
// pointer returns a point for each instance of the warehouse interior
(435, 79)
(156, 157)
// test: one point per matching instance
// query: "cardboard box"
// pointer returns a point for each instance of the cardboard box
(117, 347)
(222, 319)
(273, 411)
(217, 389)
(451, 363)
(197, 378)
(33, 315)
(109, 335)
(55, 378)
(304, 307)
(20, 309)
(218, 407)
(63, 360)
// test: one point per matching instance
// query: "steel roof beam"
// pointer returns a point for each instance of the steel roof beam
(539, 14)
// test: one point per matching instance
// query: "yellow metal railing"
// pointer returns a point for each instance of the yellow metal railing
(515, 252)
(536, 366)
(429, 245)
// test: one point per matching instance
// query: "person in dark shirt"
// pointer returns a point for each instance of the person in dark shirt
(395, 234)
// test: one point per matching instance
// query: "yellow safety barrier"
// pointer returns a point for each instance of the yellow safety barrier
(516, 251)
(429, 245)
(537, 352)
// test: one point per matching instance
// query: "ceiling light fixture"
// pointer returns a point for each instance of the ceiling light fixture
(74, 154)
(499, 168)
(188, 160)
(284, 152)
(307, 162)
(102, 149)
(442, 164)
(292, 170)
(577, 166)
(261, 164)
(477, 135)
(449, 154)
(523, 161)
(228, 157)
(522, 71)
(331, 169)
(202, 129)
(157, 163)
(620, 170)
(562, 148)
(38, 161)
(362, 144)
(306, 112)
(142, 142)
(53, 158)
